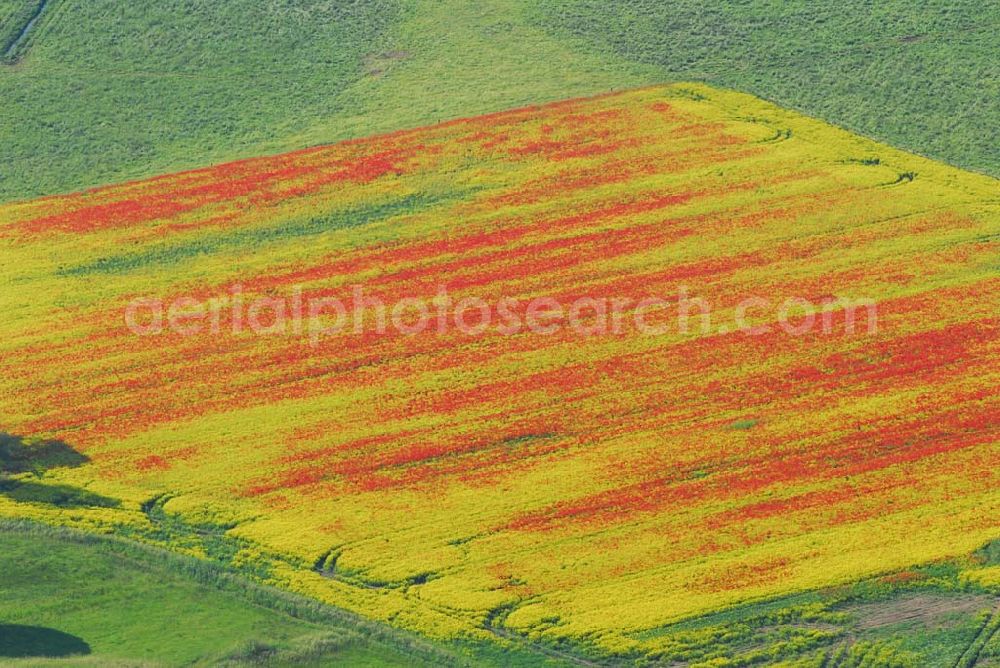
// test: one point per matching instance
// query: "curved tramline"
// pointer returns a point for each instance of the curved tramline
(420, 375)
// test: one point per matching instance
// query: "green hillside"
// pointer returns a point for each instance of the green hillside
(923, 76)
(108, 602)
(100, 91)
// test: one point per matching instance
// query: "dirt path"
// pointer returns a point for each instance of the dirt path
(925, 609)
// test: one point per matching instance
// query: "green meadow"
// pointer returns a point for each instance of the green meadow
(101, 91)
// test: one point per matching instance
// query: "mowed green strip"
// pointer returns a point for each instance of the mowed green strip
(107, 91)
(105, 603)
(242, 239)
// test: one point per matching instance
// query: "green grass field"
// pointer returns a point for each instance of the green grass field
(101, 91)
(922, 76)
(103, 602)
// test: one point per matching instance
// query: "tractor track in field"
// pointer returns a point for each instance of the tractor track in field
(10, 54)
(328, 570)
(493, 624)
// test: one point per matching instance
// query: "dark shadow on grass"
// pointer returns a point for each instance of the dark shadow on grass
(20, 456)
(64, 496)
(18, 641)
